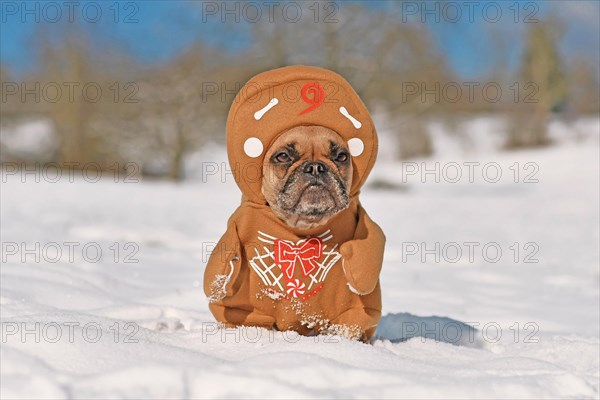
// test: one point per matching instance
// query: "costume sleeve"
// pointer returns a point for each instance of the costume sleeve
(363, 255)
(223, 266)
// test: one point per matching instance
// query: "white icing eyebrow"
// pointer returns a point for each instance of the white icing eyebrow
(272, 103)
(354, 121)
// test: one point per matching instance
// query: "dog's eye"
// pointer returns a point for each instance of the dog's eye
(342, 157)
(282, 157)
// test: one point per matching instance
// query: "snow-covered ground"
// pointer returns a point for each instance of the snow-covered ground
(132, 321)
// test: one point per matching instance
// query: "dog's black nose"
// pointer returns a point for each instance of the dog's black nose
(315, 168)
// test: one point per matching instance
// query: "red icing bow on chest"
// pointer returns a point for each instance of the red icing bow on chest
(308, 253)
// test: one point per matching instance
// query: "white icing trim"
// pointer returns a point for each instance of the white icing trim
(232, 268)
(325, 233)
(354, 121)
(230, 273)
(353, 290)
(260, 113)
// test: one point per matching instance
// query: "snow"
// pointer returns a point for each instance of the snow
(32, 140)
(89, 326)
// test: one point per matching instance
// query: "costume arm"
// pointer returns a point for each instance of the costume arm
(223, 266)
(363, 255)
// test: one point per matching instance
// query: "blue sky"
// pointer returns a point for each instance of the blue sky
(155, 31)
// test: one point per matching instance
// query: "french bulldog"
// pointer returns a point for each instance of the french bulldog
(300, 252)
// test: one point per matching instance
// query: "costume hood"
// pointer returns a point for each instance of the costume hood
(275, 101)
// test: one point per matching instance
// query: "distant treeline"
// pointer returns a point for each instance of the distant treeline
(107, 108)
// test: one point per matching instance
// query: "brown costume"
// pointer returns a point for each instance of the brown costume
(266, 273)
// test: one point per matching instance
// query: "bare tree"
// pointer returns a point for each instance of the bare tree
(541, 67)
(82, 93)
(583, 88)
(180, 107)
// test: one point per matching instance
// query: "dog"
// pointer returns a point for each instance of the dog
(300, 253)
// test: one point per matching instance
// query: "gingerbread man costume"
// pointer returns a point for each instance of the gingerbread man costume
(266, 273)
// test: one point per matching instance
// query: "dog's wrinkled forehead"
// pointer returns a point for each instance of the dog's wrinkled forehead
(306, 139)
(275, 101)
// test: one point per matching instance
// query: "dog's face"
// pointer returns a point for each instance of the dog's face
(307, 175)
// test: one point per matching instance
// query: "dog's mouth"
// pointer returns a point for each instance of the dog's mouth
(315, 198)
(315, 194)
